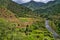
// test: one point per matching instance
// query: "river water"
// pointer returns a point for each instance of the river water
(55, 35)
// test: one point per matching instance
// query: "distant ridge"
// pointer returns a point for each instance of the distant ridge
(33, 5)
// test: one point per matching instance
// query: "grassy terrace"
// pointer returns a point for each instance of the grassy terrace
(35, 31)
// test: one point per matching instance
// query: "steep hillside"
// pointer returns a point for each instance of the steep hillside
(11, 27)
(11, 17)
(8, 15)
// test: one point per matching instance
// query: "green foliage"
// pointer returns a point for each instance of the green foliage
(53, 14)
(55, 25)
(19, 10)
(9, 31)
(36, 31)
